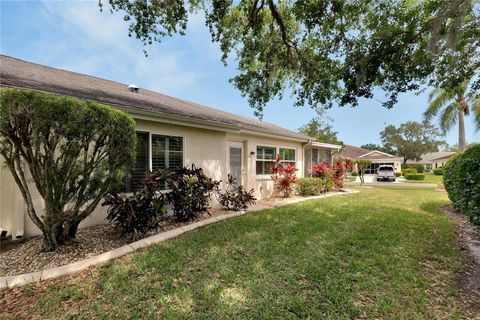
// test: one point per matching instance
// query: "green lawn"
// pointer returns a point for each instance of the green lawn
(384, 253)
(429, 178)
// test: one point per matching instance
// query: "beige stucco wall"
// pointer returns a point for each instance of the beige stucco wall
(263, 185)
(204, 148)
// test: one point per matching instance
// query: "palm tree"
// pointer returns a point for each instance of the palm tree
(453, 105)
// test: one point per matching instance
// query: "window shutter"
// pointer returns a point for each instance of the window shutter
(139, 170)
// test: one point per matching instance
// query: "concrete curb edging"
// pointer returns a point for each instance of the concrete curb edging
(10, 282)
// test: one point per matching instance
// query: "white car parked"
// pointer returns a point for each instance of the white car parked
(386, 173)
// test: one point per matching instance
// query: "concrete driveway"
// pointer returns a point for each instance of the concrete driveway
(371, 180)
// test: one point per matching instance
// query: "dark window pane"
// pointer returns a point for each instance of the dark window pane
(260, 167)
(315, 159)
(266, 153)
(287, 154)
(139, 170)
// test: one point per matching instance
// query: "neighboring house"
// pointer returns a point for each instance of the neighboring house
(377, 158)
(171, 133)
(433, 160)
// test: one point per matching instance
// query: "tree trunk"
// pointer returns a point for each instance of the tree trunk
(461, 130)
(56, 231)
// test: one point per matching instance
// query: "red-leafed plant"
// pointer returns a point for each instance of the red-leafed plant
(283, 174)
(338, 176)
(320, 169)
(348, 164)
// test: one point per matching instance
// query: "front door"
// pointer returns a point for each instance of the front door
(235, 161)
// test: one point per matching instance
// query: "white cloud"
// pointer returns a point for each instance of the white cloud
(98, 44)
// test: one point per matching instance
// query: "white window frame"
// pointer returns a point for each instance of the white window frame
(150, 155)
(277, 152)
(156, 133)
(307, 170)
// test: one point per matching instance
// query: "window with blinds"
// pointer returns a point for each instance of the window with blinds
(166, 153)
(139, 170)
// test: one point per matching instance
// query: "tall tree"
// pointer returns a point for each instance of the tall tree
(373, 146)
(412, 139)
(321, 128)
(326, 51)
(453, 105)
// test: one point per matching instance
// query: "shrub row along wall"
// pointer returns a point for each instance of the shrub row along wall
(461, 177)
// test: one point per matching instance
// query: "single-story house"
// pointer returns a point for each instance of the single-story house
(433, 160)
(171, 133)
(377, 158)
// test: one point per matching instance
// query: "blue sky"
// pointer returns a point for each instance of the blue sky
(74, 35)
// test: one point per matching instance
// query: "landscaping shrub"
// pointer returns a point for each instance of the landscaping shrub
(354, 173)
(408, 171)
(235, 197)
(461, 176)
(307, 186)
(314, 186)
(190, 192)
(284, 176)
(339, 173)
(398, 174)
(319, 170)
(142, 211)
(418, 167)
(415, 176)
(438, 171)
(135, 214)
(73, 151)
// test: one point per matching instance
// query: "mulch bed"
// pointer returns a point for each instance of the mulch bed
(468, 278)
(24, 256)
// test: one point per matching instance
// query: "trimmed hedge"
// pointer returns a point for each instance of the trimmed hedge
(409, 171)
(415, 166)
(461, 176)
(314, 186)
(415, 176)
(438, 171)
(354, 174)
(398, 174)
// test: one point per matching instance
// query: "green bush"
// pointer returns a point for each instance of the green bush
(415, 176)
(354, 173)
(420, 168)
(438, 171)
(398, 174)
(408, 171)
(461, 176)
(74, 152)
(314, 186)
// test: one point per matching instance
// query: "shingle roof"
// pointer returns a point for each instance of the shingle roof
(18, 73)
(352, 152)
(432, 156)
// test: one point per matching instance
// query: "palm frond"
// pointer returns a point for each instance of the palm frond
(449, 116)
(476, 113)
(437, 100)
